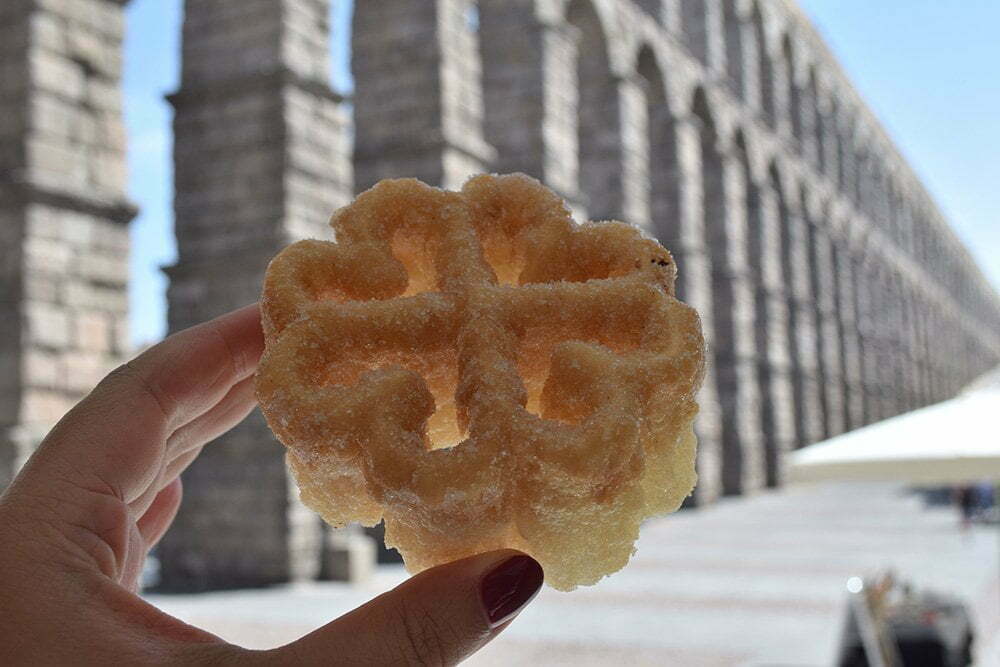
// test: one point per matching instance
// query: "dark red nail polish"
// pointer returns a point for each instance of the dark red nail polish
(509, 587)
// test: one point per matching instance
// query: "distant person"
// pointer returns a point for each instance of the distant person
(966, 501)
(103, 487)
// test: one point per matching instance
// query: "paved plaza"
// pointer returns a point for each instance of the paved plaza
(752, 581)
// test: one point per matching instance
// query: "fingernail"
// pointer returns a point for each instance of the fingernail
(509, 587)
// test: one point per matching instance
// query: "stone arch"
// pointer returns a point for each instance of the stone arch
(891, 343)
(792, 246)
(868, 293)
(718, 237)
(598, 123)
(892, 207)
(831, 132)
(859, 182)
(871, 186)
(755, 213)
(713, 194)
(840, 255)
(784, 215)
(766, 329)
(694, 28)
(910, 356)
(765, 71)
(664, 172)
(818, 129)
(778, 190)
(809, 403)
(930, 252)
(905, 222)
(915, 229)
(878, 193)
(919, 231)
(843, 153)
(890, 199)
(794, 95)
(827, 296)
(817, 280)
(846, 304)
(733, 32)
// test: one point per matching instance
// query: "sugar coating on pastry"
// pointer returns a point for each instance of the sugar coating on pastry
(481, 372)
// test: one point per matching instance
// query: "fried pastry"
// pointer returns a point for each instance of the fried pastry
(481, 372)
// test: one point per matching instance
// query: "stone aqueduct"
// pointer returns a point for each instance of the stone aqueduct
(833, 292)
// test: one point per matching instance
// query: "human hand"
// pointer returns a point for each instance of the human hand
(104, 486)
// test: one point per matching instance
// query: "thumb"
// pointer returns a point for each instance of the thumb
(438, 617)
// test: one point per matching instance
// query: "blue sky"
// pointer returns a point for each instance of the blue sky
(927, 68)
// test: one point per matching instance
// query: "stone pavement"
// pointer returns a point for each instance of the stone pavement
(751, 581)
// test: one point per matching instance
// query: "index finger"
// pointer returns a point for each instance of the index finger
(114, 440)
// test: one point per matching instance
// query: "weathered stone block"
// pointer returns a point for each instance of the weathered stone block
(36, 286)
(47, 325)
(44, 407)
(93, 48)
(83, 370)
(103, 94)
(44, 255)
(41, 368)
(102, 269)
(92, 331)
(48, 30)
(55, 164)
(93, 296)
(53, 72)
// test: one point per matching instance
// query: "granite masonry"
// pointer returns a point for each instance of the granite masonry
(261, 159)
(832, 290)
(64, 213)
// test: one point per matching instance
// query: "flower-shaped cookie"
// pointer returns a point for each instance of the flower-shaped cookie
(481, 372)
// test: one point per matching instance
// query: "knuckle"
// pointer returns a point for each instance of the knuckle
(238, 361)
(123, 374)
(84, 535)
(130, 376)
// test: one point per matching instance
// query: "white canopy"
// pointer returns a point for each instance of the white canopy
(952, 442)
